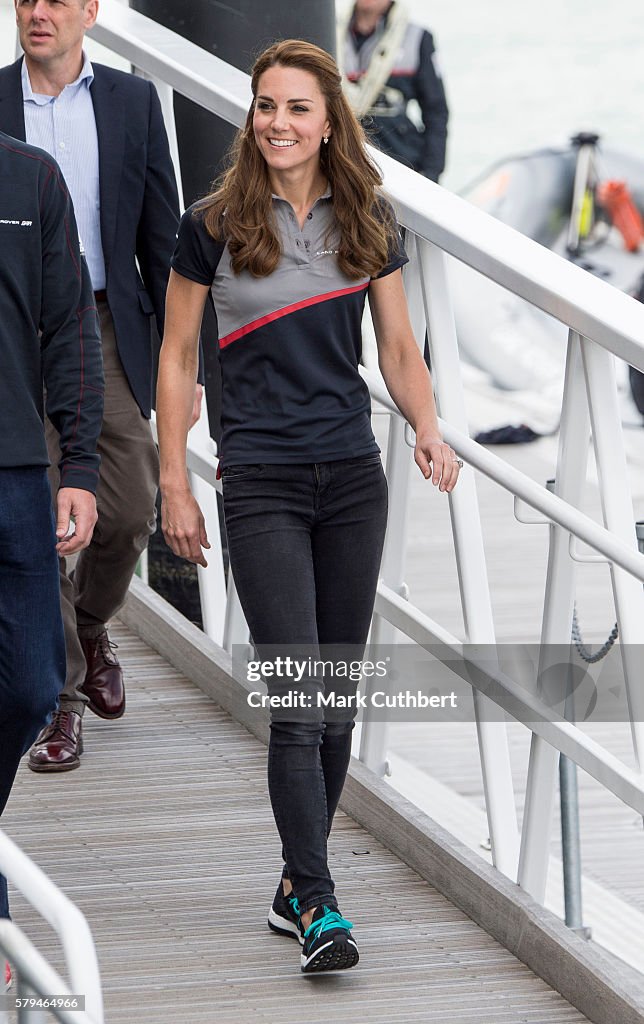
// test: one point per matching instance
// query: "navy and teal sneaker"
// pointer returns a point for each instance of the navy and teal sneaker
(328, 943)
(284, 915)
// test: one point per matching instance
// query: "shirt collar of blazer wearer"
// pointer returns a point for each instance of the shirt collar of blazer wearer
(86, 77)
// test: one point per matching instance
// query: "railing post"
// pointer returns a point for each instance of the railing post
(27, 1016)
(618, 516)
(572, 460)
(212, 581)
(166, 98)
(399, 466)
(64, 917)
(470, 556)
(235, 625)
(373, 737)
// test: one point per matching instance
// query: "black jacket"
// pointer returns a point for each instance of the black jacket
(139, 206)
(48, 324)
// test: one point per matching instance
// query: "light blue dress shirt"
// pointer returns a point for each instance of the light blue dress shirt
(65, 127)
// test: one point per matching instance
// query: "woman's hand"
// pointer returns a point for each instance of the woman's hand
(183, 526)
(437, 460)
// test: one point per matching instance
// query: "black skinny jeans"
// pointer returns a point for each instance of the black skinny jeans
(305, 544)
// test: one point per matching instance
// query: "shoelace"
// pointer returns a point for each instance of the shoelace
(331, 919)
(60, 720)
(104, 646)
(292, 900)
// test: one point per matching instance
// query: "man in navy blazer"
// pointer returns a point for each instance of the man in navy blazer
(105, 129)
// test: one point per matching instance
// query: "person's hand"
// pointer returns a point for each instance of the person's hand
(436, 460)
(183, 526)
(196, 405)
(72, 502)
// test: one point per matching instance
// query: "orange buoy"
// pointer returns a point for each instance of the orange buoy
(616, 199)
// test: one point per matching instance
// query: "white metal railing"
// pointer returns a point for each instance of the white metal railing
(36, 979)
(602, 322)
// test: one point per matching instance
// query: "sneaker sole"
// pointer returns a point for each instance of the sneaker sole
(336, 956)
(282, 926)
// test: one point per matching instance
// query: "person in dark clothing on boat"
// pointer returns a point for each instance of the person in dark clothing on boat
(48, 335)
(288, 246)
(388, 61)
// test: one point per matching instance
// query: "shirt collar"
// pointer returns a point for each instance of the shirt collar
(325, 195)
(86, 77)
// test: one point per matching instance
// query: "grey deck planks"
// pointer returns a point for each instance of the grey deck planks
(165, 840)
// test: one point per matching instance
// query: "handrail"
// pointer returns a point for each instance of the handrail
(593, 308)
(187, 68)
(513, 480)
(69, 924)
(37, 978)
(607, 769)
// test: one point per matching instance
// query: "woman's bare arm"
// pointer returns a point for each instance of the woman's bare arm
(181, 518)
(408, 380)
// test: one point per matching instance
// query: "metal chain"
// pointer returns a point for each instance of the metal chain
(582, 650)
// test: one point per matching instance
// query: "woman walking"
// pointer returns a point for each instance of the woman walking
(289, 244)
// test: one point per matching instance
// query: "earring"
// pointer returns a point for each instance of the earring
(326, 140)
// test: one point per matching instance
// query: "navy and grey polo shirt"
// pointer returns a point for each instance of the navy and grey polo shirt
(289, 343)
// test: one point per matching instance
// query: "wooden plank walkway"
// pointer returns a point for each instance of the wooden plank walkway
(164, 838)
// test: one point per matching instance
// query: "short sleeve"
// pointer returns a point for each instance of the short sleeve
(396, 257)
(197, 253)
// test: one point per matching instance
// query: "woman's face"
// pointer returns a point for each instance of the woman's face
(290, 119)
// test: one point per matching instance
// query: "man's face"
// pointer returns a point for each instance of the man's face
(51, 29)
(373, 7)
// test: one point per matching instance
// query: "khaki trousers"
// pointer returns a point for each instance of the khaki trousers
(125, 500)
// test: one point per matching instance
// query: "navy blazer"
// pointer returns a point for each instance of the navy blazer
(139, 206)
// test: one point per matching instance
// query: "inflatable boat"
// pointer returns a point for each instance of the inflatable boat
(521, 349)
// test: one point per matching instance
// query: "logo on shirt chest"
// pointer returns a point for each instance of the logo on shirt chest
(16, 223)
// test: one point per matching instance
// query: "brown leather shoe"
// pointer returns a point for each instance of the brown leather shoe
(59, 746)
(104, 679)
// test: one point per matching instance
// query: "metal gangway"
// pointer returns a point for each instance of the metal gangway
(505, 900)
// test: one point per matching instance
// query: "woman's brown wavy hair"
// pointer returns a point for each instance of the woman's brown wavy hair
(240, 207)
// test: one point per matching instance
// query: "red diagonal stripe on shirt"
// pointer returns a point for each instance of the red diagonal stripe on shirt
(278, 313)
